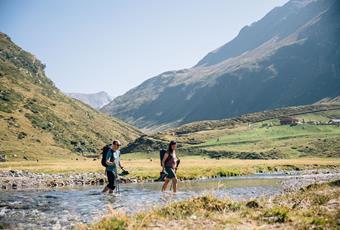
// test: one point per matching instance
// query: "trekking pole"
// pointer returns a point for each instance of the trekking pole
(177, 163)
(117, 184)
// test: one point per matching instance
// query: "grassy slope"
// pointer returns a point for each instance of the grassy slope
(37, 121)
(261, 139)
(314, 207)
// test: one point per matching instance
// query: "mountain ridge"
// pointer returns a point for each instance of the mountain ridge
(300, 67)
(276, 141)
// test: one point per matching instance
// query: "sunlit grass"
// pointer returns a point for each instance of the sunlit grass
(190, 167)
(268, 136)
(313, 207)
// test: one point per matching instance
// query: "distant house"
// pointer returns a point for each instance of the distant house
(289, 121)
(334, 122)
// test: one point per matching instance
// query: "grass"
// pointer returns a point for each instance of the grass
(256, 137)
(265, 138)
(268, 139)
(38, 122)
(294, 210)
(143, 166)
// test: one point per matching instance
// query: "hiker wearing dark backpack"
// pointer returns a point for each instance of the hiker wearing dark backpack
(169, 165)
(112, 161)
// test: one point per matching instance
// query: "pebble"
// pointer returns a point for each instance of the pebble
(18, 179)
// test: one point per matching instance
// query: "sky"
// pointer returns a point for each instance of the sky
(114, 45)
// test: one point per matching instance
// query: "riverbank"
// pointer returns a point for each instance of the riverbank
(18, 179)
(64, 208)
(63, 173)
(313, 206)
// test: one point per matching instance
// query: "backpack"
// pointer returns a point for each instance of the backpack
(161, 154)
(105, 150)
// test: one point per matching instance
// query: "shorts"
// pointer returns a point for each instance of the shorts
(111, 177)
(170, 172)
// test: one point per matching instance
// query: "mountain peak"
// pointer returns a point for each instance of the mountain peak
(289, 57)
(279, 22)
(95, 100)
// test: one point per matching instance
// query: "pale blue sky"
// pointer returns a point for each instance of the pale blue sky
(89, 46)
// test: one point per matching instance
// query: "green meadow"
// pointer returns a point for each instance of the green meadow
(279, 141)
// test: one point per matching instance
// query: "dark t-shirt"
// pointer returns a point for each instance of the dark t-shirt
(171, 160)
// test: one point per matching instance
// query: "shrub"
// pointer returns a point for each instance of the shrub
(277, 215)
(111, 223)
(9, 100)
(320, 199)
(205, 203)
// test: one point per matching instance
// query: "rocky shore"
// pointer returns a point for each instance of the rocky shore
(21, 179)
(300, 179)
(18, 179)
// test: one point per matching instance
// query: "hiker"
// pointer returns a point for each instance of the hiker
(112, 160)
(169, 164)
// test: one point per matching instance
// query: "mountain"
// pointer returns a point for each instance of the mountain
(289, 57)
(257, 135)
(95, 100)
(37, 121)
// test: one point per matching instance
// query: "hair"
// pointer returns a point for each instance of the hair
(116, 142)
(170, 150)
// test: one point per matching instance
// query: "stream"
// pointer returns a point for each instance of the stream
(63, 208)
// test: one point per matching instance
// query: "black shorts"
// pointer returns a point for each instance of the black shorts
(111, 177)
(170, 172)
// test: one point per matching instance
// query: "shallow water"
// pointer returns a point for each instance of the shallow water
(64, 208)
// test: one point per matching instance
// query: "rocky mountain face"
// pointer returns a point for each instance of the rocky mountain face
(289, 57)
(95, 100)
(37, 121)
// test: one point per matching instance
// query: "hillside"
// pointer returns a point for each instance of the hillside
(37, 121)
(95, 100)
(290, 57)
(257, 135)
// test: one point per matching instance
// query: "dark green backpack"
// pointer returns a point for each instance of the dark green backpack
(105, 151)
(161, 154)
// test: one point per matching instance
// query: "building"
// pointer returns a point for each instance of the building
(288, 121)
(334, 122)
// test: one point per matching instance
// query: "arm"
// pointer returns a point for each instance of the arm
(177, 163)
(120, 165)
(164, 159)
(108, 158)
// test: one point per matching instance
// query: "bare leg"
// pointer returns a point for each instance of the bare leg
(166, 182)
(105, 189)
(174, 184)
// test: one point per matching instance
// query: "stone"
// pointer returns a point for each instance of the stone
(78, 149)
(74, 142)
(3, 158)
(22, 135)
(252, 204)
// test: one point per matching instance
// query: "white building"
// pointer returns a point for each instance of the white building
(334, 122)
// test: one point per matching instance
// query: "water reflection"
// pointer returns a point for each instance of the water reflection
(62, 208)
